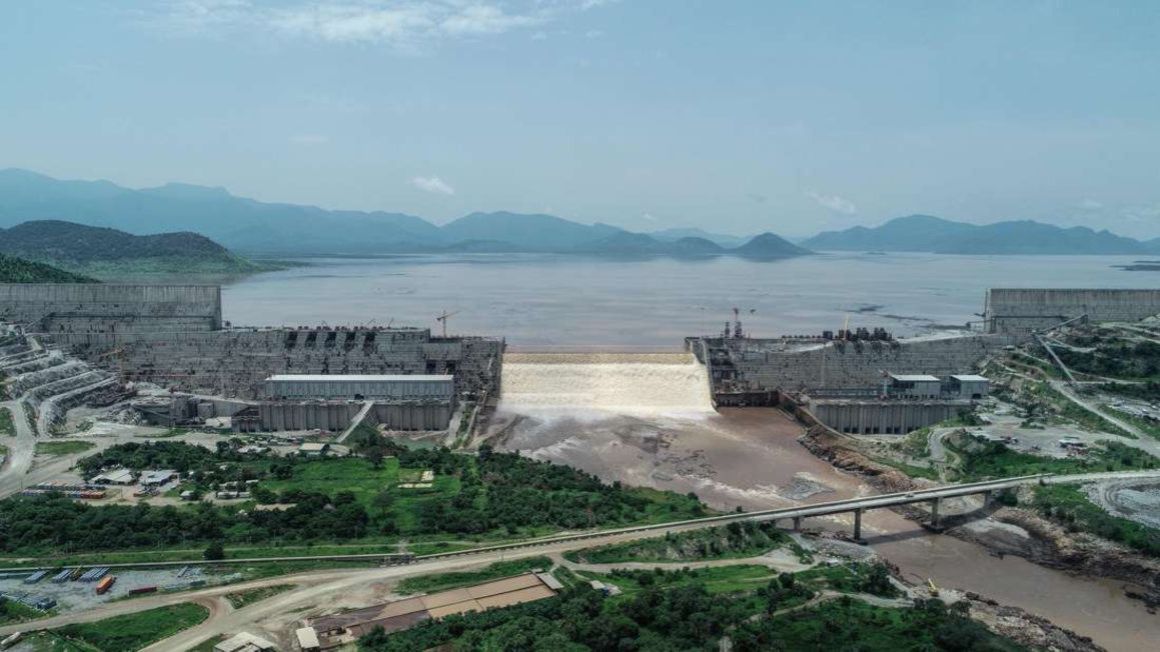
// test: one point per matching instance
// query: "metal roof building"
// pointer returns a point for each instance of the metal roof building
(914, 386)
(361, 387)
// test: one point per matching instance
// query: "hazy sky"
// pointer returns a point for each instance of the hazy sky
(735, 116)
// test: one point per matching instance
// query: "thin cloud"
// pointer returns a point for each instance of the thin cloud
(834, 203)
(433, 185)
(410, 25)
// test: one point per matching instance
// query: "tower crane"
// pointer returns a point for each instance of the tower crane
(443, 319)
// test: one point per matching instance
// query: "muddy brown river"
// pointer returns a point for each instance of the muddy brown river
(751, 458)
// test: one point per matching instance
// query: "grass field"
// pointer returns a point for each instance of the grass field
(719, 579)
(62, 447)
(444, 581)
(134, 631)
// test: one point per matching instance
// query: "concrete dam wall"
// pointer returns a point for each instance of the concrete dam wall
(740, 365)
(236, 362)
(1023, 310)
(172, 335)
(109, 308)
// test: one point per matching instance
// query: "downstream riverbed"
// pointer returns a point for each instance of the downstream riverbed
(751, 458)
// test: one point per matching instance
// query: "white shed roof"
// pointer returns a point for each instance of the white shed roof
(116, 475)
(915, 378)
(970, 378)
(307, 638)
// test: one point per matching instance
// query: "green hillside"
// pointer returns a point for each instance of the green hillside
(18, 270)
(109, 253)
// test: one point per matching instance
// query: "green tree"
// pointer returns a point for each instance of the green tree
(214, 551)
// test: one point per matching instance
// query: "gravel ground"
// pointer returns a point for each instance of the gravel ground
(1136, 500)
(78, 596)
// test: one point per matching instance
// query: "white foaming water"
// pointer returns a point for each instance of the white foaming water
(605, 383)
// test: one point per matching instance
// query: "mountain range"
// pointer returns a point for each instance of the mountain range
(925, 233)
(252, 226)
(248, 225)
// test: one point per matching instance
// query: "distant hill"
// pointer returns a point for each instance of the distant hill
(238, 223)
(252, 226)
(527, 232)
(103, 251)
(693, 246)
(18, 270)
(720, 239)
(925, 233)
(769, 246)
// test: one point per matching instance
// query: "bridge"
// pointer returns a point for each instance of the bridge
(856, 506)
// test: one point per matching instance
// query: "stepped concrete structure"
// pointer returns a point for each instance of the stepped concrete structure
(51, 381)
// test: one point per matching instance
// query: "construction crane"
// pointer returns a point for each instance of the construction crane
(118, 354)
(443, 319)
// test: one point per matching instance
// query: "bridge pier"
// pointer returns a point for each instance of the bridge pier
(858, 525)
(934, 506)
(988, 498)
(797, 523)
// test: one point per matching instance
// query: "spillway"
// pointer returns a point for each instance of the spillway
(625, 383)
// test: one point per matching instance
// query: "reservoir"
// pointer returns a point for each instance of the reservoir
(545, 302)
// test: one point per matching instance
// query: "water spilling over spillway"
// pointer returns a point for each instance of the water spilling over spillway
(631, 383)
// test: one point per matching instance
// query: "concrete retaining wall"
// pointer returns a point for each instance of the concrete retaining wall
(1022, 310)
(111, 308)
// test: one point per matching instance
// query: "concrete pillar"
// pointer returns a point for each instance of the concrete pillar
(934, 505)
(988, 498)
(797, 523)
(858, 524)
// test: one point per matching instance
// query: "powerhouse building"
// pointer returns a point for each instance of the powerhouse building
(361, 387)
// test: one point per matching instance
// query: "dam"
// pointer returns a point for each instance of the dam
(622, 383)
